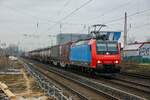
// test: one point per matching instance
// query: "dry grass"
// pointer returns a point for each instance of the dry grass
(18, 83)
(4, 63)
(136, 68)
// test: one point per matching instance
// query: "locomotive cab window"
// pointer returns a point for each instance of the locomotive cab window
(106, 47)
(101, 47)
(112, 47)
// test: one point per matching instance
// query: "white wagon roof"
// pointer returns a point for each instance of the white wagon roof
(132, 47)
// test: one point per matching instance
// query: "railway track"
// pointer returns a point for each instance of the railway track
(134, 85)
(80, 91)
(142, 76)
(134, 82)
(99, 88)
(130, 84)
(142, 90)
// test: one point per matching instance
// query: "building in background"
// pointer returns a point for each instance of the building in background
(138, 52)
(66, 37)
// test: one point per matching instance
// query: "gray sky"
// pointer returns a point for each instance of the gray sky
(18, 17)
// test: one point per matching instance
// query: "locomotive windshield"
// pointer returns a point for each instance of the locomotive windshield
(106, 47)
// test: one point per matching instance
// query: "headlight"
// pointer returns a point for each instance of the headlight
(116, 62)
(99, 62)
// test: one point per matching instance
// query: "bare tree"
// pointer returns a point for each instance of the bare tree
(12, 49)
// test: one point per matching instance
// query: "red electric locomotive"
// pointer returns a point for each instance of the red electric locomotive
(106, 55)
(96, 55)
(99, 53)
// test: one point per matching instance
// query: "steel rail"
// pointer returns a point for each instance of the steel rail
(82, 97)
(99, 87)
(135, 75)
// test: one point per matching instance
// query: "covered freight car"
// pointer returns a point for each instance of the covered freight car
(42, 55)
(65, 54)
(45, 54)
(60, 54)
(55, 52)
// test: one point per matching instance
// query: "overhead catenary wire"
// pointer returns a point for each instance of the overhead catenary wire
(121, 18)
(39, 19)
(70, 14)
(67, 23)
(111, 10)
(140, 26)
(130, 15)
(83, 5)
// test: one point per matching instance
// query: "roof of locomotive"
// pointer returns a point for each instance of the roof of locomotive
(86, 41)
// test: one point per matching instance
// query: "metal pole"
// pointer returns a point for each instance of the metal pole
(125, 30)
(60, 28)
(88, 29)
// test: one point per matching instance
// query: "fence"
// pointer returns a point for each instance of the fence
(136, 59)
(48, 87)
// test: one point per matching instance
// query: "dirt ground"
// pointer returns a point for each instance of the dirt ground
(22, 84)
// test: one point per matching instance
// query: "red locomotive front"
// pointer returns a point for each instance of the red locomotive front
(106, 55)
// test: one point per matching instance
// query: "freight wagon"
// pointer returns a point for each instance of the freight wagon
(60, 54)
